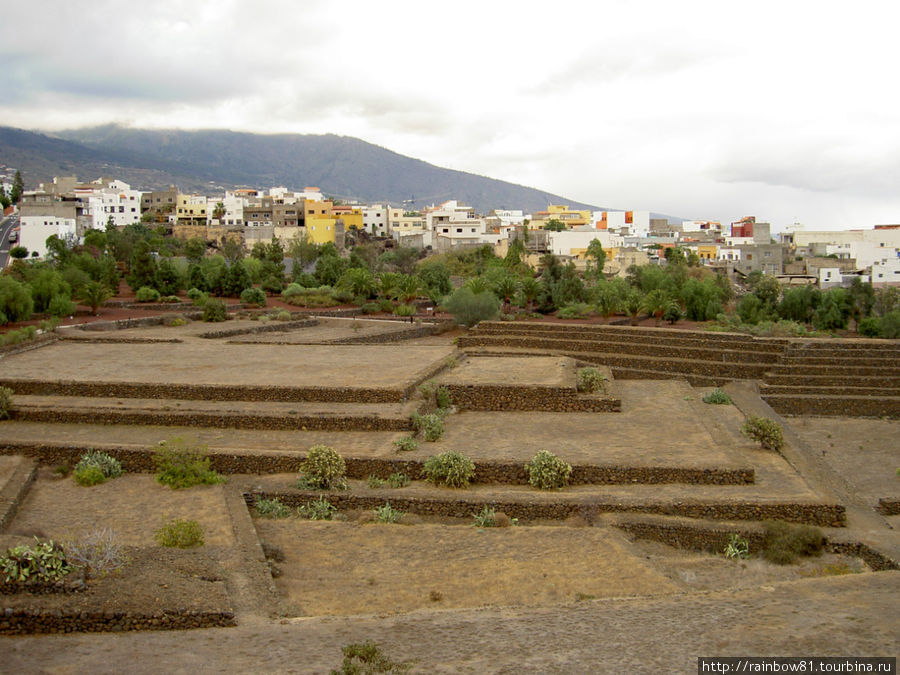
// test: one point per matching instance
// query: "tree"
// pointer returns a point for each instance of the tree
(555, 225)
(595, 251)
(195, 249)
(169, 279)
(18, 187)
(237, 280)
(16, 303)
(5, 201)
(18, 252)
(469, 308)
(505, 289)
(142, 270)
(94, 294)
(233, 250)
(219, 212)
(358, 281)
(530, 289)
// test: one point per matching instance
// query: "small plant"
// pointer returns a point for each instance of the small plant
(718, 397)
(485, 518)
(365, 658)
(253, 296)
(451, 468)
(271, 508)
(214, 310)
(766, 432)
(109, 466)
(42, 561)
(99, 553)
(283, 315)
(146, 294)
(88, 476)
(546, 471)
(590, 380)
(785, 542)
(387, 514)
(406, 444)
(174, 321)
(6, 401)
(324, 468)
(374, 481)
(404, 310)
(737, 547)
(436, 396)
(430, 426)
(180, 466)
(180, 533)
(318, 509)
(398, 480)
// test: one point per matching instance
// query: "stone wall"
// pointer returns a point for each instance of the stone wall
(548, 399)
(25, 622)
(15, 491)
(280, 326)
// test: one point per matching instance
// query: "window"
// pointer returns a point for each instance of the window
(459, 229)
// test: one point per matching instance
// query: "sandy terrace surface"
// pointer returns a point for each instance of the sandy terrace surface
(865, 452)
(550, 371)
(328, 330)
(8, 466)
(226, 364)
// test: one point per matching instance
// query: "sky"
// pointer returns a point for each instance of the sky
(789, 110)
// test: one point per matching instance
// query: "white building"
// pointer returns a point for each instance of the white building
(574, 242)
(375, 220)
(109, 201)
(636, 222)
(40, 221)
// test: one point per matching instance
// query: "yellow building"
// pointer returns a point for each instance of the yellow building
(564, 214)
(190, 209)
(707, 252)
(320, 229)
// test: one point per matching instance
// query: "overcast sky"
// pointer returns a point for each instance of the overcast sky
(786, 110)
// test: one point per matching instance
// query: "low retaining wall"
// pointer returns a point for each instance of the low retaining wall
(548, 399)
(826, 515)
(281, 326)
(889, 507)
(15, 491)
(24, 622)
(397, 336)
(831, 406)
(36, 342)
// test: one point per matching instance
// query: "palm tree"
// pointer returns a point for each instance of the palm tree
(359, 281)
(94, 294)
(505, 288)
(387, 283)
(531, 289)
(407, 288)
(634, 301)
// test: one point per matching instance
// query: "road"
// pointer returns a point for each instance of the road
(6, 225)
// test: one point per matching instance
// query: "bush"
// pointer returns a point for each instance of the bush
(870, 327)
(365, 658)
(180, 534)
(170, 299)
(436, 396)
(430, 426)
(590, 380)
(181, 466)
(253, 296)
(195, 294)
(889, 326)
(451, 468)
(324, 468)
(717, 396)
(88, 476)
(672, 313)
(146, 294)
(404, 310)
(109, 466)
(6, 402)
(271, 508)
(42, 561)
(272, 284)
(16, 302)
(765, 431)
(785, 542)
(318, 509)
(469, 308)
(737, 547)
(214, 311)
(374, 481)
(577, 310)
(61, 305)
(98, 553)
(370, 308)
(398, 480)
(283, 315)
(387, 514)
(546, 471)
(485, 517)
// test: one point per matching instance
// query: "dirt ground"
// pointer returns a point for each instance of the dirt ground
(549, 371)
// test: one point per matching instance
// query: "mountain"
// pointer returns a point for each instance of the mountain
(208, 161)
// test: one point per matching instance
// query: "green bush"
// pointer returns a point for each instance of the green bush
(61, 305)
(318, 509)
(6, 402)
(16, 302)
(109, 466)
(43, 561)
(590, 380)
(737, 547)
(784, 542)
(87, 476)
(180, 466)
(283, 315)
(253, 296)
(365, 658)
(485, 517)
(430, 426)
(870, 327)
(180, 534)
(404, 310)
(214, 310)
(436, 396)
(271, 508)
(370, 308)
(546, 471)
(889, 326)
(398, 480)
(324, 468)
(469, 308)
(146, 294)
(387, 514)
(765, 431)
(374, 481)
(451, 468)
(577, 310)
(195, 295)
(717, 396)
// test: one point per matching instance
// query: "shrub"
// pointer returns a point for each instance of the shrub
(889, 326)
(108, 465)
(88, 476)
(174, 321)
(324, 468)
(765, 431)
(672, 313)
(181, 466)
(737, 547)
(870, 327)
(6, 401)
(271, 508)
(253, 296)
(469, 308)
(430, 426)
(717, 396)
(436, 396)
(485, 517)
(784, 542)
(590, 380)
(374, 481)
(398, 480)
(146, 294)
(195, 294)
(272, 284)
(370, 308)
(42, 561)
(98, 553)
(16, 302)
(546, 471)
(214, 311)
(451, 468)
(61, 305)
(576, 310)
(387, 514)
(180, 533)
(318, 509)
(404, 310)
(363, 658)
(283, 315)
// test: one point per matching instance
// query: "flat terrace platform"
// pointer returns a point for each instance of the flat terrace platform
(214, 363)
(548, 371)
